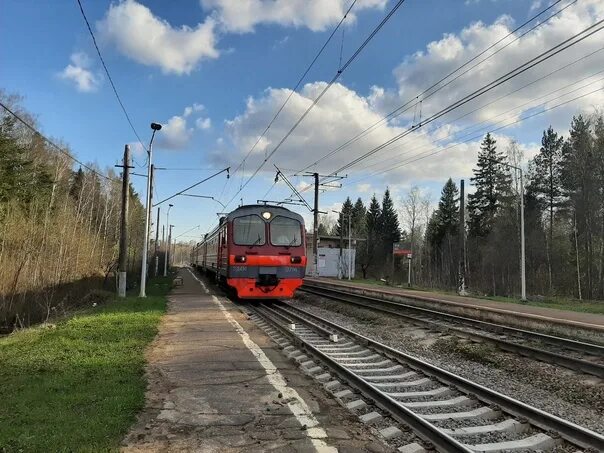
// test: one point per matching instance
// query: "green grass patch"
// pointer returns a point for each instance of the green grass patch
(78, 386)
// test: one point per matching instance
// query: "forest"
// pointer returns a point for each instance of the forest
(564, 222)
(59, 225)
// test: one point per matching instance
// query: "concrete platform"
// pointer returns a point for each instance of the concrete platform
(588, 321)
(218, 383)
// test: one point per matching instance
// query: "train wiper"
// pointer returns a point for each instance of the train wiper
(293, 241)
(256, 242)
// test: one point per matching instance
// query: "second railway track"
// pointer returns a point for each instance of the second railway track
(447, 411)
(572, 354)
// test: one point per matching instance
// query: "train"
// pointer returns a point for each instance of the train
(257, 251)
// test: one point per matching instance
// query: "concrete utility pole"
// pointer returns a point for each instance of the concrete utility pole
(315, 227)
(155, 253)
(167, 246)
(156, 127)
(349, 246)
(462, 241)
(169, 257)
(123, 256)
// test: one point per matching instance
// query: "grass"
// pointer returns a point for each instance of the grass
(558, 303)
(78, 386)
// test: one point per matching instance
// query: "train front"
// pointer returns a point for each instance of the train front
(266, 252)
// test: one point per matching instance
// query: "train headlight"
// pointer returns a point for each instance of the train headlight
(266, 215)
(296, 259)
(240, 259)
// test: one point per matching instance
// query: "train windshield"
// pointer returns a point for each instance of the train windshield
(285, 231)
(249, 230)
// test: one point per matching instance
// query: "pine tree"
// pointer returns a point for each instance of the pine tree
(493, 188)
(358, 218)
(545, 176)
(388, 225)
(77, 181)
(448, 210)
(368, 250)
(341, 227)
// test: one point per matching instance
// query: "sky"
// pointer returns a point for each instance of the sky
(215, 72)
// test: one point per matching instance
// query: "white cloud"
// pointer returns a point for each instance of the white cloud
(193, 108)
(152, 41)
(77, 72)
(422, 69)
(203, 123)
(176, 133)
(241, 16)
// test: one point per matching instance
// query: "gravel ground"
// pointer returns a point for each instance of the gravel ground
(571, 396)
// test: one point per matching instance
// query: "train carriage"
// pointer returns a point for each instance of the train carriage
(258, 250)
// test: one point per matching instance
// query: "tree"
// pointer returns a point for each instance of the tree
(358, 218)
(545, 176)
(341, 227)
(368, 250)
(492, 181)
(580, 181)
(388, 225)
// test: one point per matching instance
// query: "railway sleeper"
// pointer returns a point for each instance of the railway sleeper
(539, 441)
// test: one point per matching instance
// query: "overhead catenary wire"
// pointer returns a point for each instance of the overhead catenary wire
(296, 86)
(321, 94)
(573, 40)
(423, 155)
(194, 185)
(117, 96)
(416, 99)
(495, 101)
(54, 145)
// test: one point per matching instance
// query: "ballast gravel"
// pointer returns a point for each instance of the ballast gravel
(571, 396)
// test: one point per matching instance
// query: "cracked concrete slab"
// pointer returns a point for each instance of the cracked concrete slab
(208, 392)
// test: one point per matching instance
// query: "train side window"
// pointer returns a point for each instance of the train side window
(286, 232)
(249, 230)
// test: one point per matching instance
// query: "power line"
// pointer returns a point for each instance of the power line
(500, 98)
(98, 51)
(54, 145)
(409, 103)
(295, 87)
(589, 31)
(318, 98)
(420, 156)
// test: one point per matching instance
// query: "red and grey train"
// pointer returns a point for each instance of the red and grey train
(258, 250)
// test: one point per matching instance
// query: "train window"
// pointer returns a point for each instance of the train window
(286, 231)
(249, 230)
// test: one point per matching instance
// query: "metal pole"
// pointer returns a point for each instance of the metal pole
(522, 248)
(142, 292)
(315, 244)
(156, 273)
(462, 241)
(123, 257)
(349, 247)
(409, 275)
(341, 262)
(168, 244)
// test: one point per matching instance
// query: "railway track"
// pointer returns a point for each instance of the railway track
(575, 355)
(449, 412)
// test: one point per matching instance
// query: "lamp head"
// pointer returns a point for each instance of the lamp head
(156, 126)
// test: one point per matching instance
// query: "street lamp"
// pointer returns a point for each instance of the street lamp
(166, 250)
(156, 127)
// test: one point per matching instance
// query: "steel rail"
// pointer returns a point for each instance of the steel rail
(525, 350)
(424, 429)
(569, 431)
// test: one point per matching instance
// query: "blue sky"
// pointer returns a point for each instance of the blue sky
(214, 71)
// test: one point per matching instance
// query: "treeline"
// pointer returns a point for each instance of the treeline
(59, 228)
(564, 221)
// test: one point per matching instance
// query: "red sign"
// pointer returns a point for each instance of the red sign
(400, 249)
